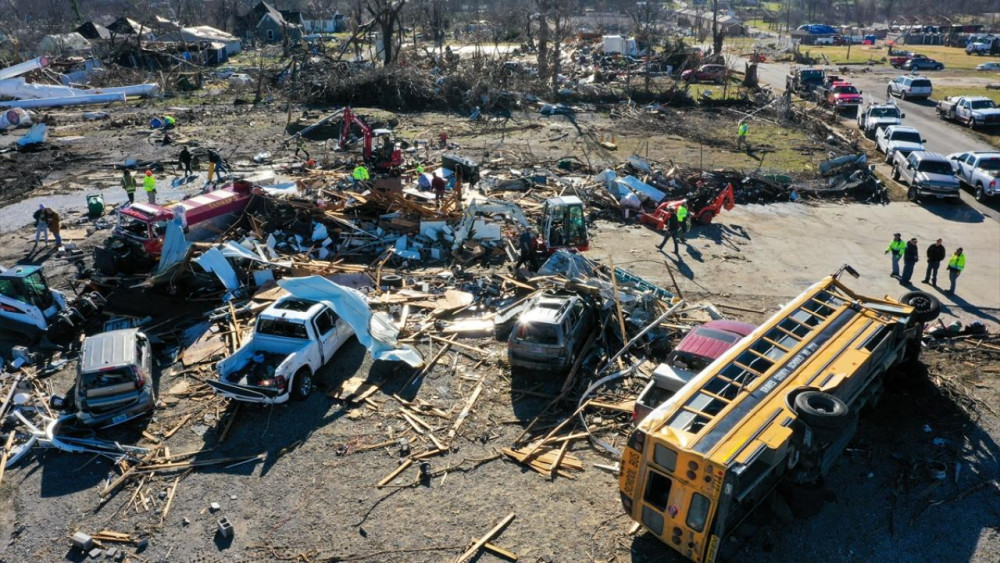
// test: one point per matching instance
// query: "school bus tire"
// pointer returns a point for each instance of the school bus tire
(927, 306)
(822, 411)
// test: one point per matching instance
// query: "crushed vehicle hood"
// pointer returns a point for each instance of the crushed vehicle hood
(376, 331)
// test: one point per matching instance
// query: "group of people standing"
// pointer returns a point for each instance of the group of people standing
(46, 220)
(909, 254)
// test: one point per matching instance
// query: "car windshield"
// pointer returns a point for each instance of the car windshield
(885, 112)
(906, 136)
(936, 167)
(538, 333)
(990, 164)
(845, 89)
(812, 75)
(282, 327)
(983, 104)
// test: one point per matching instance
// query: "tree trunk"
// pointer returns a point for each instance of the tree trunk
(543, 46)
(718, 36)
(557, 20)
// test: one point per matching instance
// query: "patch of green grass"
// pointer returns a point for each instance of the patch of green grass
(942, 92)
(954, 58)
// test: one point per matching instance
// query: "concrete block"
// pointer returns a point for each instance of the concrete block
(214, 507)
(95, 553)
(82, 541)
(225, 528)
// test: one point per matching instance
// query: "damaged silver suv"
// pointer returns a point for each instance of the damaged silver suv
(550, 333)
(114, 382)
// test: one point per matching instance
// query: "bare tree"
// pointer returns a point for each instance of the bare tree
(718, 34)
(385, 14)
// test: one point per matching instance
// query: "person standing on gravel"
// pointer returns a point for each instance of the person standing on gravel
(935, 254)
(896, 247)
(128, 184)
(955, 267)
(911, 255)
(149, 184)
(41, 224)
(52, 218)
(672, 227)
(741, 134)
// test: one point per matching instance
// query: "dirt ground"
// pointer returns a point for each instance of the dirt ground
(312, 495)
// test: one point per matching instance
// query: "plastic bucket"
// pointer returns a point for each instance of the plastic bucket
(156, 123)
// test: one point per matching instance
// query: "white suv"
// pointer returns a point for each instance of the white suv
(909, 86)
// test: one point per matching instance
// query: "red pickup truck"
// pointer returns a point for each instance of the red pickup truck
(842, 96)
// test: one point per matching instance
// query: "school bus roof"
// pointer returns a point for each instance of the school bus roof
(742, 388)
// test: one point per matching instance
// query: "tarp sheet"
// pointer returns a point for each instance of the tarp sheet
(375, 331)
(643, 189)
(175, 247)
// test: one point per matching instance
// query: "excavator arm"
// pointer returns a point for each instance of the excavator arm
(345, 132)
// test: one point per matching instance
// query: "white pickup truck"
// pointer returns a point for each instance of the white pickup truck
(979, 170)
(898, 141)
(292, 340)
(878, 116)
(974, 111)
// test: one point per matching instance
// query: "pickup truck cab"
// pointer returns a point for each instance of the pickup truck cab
(978, 170)
(898, 141)
(114, 381)
(928, 174)
(973, 111)
(842, 96)
(878, 116)
(292, 340)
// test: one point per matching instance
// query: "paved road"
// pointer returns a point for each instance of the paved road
(942, 136)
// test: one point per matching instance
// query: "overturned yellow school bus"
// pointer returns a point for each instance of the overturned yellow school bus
(778, 407)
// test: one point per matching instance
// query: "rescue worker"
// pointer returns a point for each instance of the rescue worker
(896, 247)
(682, 216)
(420, 168)
(52, 218)
(359, 175)
(41, 223)
(439, 185)
(215, 165)
(911, 255)
(300, 145)
(169, 122)
(935, 255)
(955, 267)
(185, 159)
(149, 184)
(741, 134)
(670, 231)
(526, 244)
(128, 184)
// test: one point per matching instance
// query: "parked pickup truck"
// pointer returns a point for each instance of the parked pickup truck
(843, 96)
(898, 140)
(803, 81)
(292, 340)
(974, 111)
(928, 175)
(978, 170)
(878, 116)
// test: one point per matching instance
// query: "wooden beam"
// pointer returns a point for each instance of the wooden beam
(485, 539)
(395, 473)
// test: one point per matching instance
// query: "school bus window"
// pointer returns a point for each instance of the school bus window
(657, 490)
(768, 349)
(805, 318)
(722, 388)
(698, 513)
(737, 374)
(782, 338)
(754, 362)
(665, 457)
(688, 422)
(877, 338)
(706, 404)
(794, 328)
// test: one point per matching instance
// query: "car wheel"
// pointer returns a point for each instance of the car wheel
(303, 385)
(912, 195)
(980, 194)
(706, 216)
(926, 306)
(895, 173)
(939, 67)
(888, 158)
(888, 92)
(971, 123)
(902, 95)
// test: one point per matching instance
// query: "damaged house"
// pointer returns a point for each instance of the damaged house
(266, 24)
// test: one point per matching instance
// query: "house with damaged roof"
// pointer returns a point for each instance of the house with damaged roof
(266, 24)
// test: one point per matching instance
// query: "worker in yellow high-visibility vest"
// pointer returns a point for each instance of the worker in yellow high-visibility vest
(955, 267)
(149, 184)
(741, 134)
(682, 216)
(896, 247)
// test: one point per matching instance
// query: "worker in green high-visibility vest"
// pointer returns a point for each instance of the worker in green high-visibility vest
(741, 134)
(955, 267)
(896, 247)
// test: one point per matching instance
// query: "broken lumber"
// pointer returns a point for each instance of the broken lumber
(170, 500)
(6, 452)
(486, 538)
(465, 411)
(395, 473)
